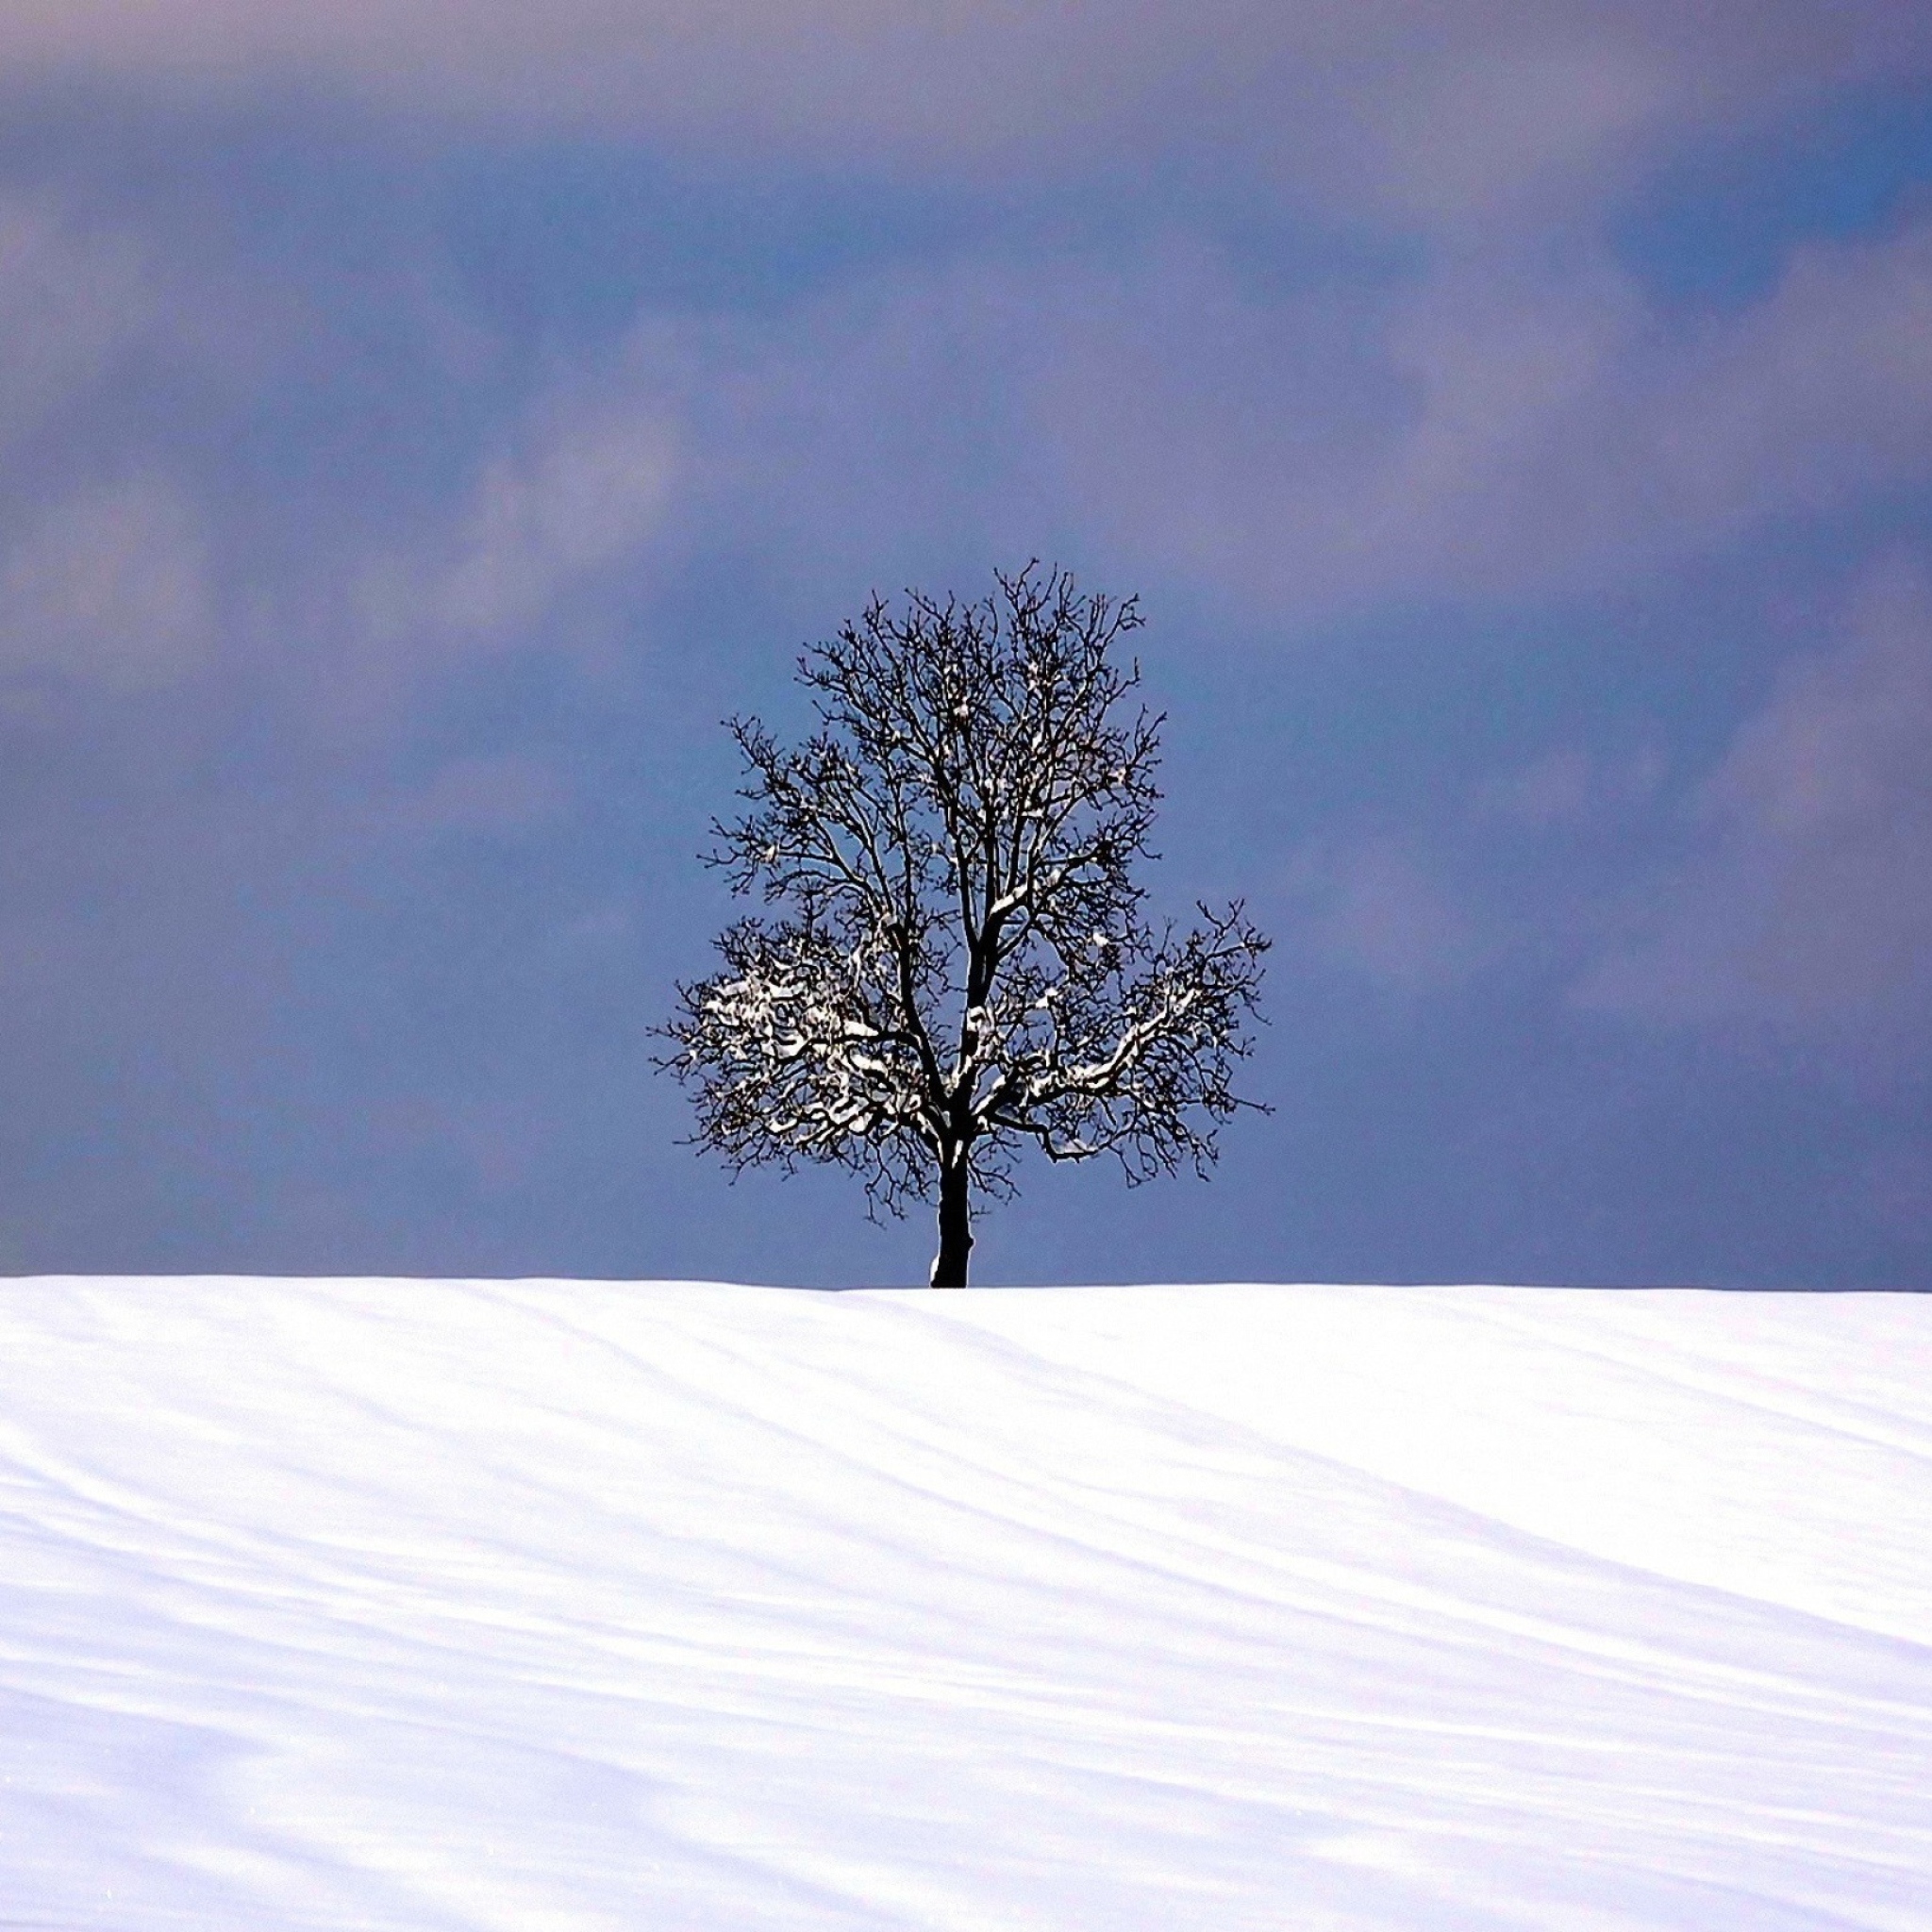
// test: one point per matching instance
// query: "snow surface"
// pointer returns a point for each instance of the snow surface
(553, 1607)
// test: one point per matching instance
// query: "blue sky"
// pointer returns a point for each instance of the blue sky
(423, 424)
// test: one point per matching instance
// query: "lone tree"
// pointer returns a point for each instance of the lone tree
(959, 963)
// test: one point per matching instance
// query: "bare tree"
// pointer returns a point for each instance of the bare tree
(962, 965)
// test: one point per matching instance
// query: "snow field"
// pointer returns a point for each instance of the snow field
(559, 1607)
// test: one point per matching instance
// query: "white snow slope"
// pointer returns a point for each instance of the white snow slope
(555, 1606)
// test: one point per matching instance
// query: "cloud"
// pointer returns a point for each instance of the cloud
(1569, 787)
(1492, 121)
(1377, 907)
(175, 422)
(1800, 405)
(583, 488)
(1488, 432)
(1804, 903)
(110, 587)
(70, 301)
(1420, 108)
(1495, 427)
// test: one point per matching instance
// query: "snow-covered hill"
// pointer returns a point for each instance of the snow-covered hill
(569, 1607)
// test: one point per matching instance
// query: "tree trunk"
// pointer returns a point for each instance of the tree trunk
(956, 1228)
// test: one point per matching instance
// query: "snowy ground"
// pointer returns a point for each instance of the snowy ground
(552, 1606)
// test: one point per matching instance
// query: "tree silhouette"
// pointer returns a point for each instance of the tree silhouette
(960, 964)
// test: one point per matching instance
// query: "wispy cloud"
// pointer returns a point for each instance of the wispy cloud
(578, 496)
(1781, 893)
(71, 299)
(1378, 906)
(1488, 432)
(110, 587)
(1803, 903)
